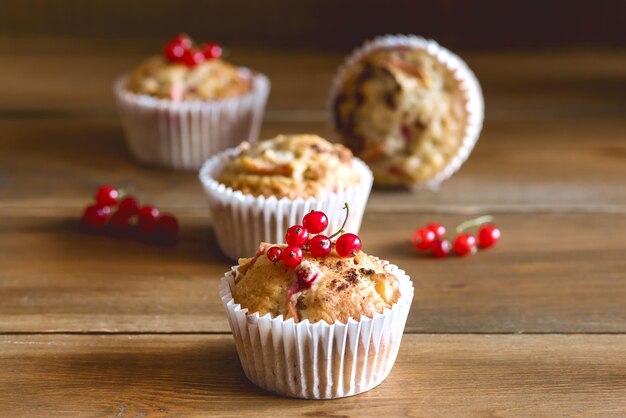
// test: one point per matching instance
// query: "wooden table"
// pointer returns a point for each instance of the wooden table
(95, 326)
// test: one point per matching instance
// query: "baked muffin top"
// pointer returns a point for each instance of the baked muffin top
(291, 166)
(213, 79)
(402, 111)
(318, 289)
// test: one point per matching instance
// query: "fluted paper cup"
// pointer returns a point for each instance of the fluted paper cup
(182, 135)
(319, 360)
(241, 220)
(465, 78)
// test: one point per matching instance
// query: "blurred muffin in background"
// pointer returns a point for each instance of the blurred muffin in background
(257, 191)
(183, 106)
(409, 108)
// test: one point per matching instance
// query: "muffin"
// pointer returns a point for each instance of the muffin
(213, 79)
(256, 191)
(327, 328)
(181, 108)
(292, 166)
(409, 108)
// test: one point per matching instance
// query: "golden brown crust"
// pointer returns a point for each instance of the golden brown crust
(403, 112)
(212, 80)
(291, 166)
(343, 288)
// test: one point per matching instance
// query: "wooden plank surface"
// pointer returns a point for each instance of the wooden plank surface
(72, 75)
(550, 165)
(550, 273)
(59, 162)
(435, 375)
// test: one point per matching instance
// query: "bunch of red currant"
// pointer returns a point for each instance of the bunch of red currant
(180, 49)
(299, 240)
(123, 217)
(433, 237)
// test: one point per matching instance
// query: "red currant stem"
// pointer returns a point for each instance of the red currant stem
(473, 222)
(341, 230)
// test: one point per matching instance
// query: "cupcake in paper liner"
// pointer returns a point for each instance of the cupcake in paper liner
(255, 192)
(409, 108)
(326, 328)
(185, 106)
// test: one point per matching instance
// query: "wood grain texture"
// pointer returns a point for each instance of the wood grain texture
(441, 375)
(58, 163)
(548, 274)
(550, 164)
(74, 76)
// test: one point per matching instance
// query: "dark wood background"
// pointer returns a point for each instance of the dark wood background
(338, 25)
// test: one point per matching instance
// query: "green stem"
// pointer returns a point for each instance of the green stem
(341, 230)
(473, 222)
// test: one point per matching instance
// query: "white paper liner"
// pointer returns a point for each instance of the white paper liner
(320, 360)
(182, 135)
(241, 220)
(468, 85)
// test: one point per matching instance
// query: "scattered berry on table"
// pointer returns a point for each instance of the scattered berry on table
(433, 237)
(464, 244)
(120, 225)
(107, 195)
(441, 248)
(96, 216)
(423, 238)
(438, 229)
(129, 205)
(129, 220)
(488, 235)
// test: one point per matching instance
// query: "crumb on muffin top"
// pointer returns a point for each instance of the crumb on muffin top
(291, 166)
(342, 288)
(402, 111)
(213, 79)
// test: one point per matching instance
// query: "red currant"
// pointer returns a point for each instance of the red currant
(95, 216)
(211, 50)
(315, 222)
(166, 227)
(292, 255)
(148, 213)
(193, 57)
(438, 229)
(423, 238)
(320, 246)
(174, 51)
(274, 254)
(441, 248)
(147, 217)
(297, 235)
(184, 40)
(119, 224)
(107, 195)
(464, 244)
(348, 245)
(488, 235)
(129, 205)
